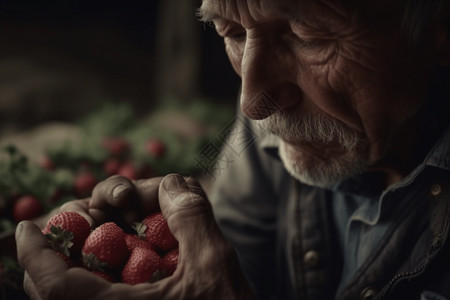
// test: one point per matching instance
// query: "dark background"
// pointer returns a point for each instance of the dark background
(60, 59)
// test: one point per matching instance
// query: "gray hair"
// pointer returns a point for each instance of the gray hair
(418, 16)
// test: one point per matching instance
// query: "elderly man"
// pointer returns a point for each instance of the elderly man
(342, 188)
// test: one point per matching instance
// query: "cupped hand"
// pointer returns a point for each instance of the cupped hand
(207, 268)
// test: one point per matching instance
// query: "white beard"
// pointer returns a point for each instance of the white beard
(319, 170)
(323, 173)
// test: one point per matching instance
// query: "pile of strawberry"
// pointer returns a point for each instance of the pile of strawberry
(148, 255)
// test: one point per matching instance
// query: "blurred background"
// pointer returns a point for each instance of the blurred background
(60, 59)
(89, 89)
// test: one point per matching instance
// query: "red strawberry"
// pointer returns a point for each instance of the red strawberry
(69, 262)
(142, 266)
(116, 146)
(46, 163)
(26, 208)
(133, 241)
(57, 194)
(84, 184)
(128, 170)
(155, 148)
(67, 232)
(105, 248)
(154, 229)
(111, 166)
(169, 262)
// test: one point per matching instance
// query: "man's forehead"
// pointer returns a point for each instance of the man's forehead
(233, 9)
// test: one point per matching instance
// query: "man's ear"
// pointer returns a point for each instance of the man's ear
(442, 36)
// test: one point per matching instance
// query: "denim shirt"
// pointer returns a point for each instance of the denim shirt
(296, 241)
(285, 235)
(362, 215)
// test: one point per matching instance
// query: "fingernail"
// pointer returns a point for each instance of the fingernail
(120, 190)
(174, 183)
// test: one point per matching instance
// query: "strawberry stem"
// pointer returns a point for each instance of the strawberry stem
(140, 229)
(93, 263)
(60, 239)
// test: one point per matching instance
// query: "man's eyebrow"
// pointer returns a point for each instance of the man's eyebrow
(205, 14)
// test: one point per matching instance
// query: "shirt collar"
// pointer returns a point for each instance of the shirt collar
(439, 156)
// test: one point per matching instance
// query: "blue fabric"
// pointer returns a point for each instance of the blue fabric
(360, 215)
(273, 221)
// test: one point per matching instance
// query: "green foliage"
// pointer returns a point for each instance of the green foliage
(87, 153)
(19, 177)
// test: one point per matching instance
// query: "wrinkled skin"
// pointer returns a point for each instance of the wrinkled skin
(207, 267)
(351, 63)
(309, 56)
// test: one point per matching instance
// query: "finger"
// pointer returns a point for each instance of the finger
(114, 192)
(35, 255)
(178, 194)
(147, 200)
(147, 191)
(135, 199)
(202, 248)
(184, 206)
(30, 288)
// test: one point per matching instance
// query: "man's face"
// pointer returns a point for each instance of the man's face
(340, 79)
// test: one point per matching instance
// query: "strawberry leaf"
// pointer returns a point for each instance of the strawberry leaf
(60, 239)
(140, 228)
(91, 262)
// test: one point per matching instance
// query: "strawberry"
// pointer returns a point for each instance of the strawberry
(46, 163)
(142, 266)
(111, 166)
(154, 229)
(84, 184)
(169, 262)
(155, 148)
(128, 170)
(116, 146)
(133, 241)
(27, 207)
(67, 232)
(105, 248)
(69, 262)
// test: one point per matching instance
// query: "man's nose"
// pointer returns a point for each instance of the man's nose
(268, 80)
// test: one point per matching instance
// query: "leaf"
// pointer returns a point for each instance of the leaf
(60, 239)
(140, 229)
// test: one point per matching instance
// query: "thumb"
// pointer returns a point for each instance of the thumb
(184, 206)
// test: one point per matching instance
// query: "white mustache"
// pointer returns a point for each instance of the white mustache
(310, 128)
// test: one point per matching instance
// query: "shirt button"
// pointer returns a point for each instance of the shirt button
(436, 189)
(368, 294)
(311, 258)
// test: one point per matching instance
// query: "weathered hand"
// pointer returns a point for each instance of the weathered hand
(208, 267)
